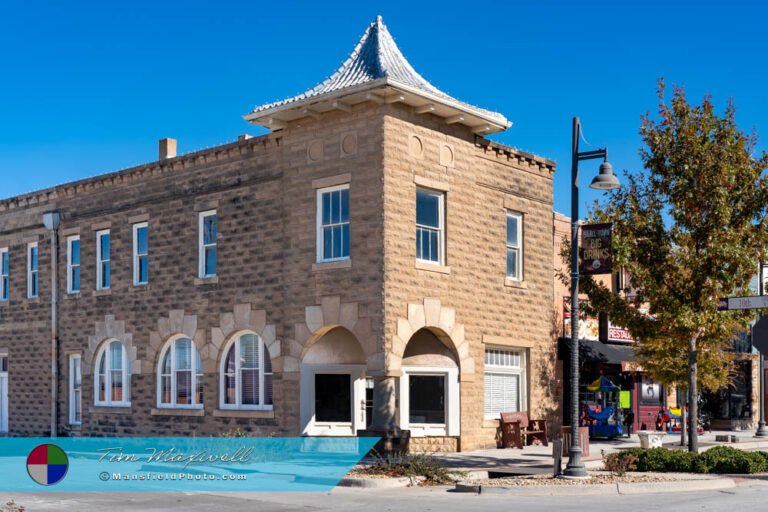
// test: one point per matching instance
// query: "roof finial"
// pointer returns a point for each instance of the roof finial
(379, 21)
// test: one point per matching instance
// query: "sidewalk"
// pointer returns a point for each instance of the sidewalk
(538, 459)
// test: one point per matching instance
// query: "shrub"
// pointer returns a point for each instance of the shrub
(11, 506)
(720, 459)
(619, 463)
(412, 466)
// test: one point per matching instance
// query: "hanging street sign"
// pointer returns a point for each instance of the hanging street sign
(596, 251)
(760, 335)
(730, 303)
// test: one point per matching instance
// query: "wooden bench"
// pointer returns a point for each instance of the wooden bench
(518, 431)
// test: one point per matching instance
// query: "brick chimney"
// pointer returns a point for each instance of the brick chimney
(167, 148)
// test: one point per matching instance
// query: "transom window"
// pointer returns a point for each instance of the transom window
(207, 244)
(430, 226)
(504, 381)
(113, 375)
(140, 254)
(4, 281)
(333, 223)
(246, 375)
(32, 275)
(514, 246)
(103, 262)
(180, 379)
(73, 264)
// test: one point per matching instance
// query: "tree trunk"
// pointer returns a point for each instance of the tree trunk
(693, 394)
(683, 395)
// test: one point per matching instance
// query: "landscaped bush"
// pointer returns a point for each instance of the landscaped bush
(720, 459)
(413, 465)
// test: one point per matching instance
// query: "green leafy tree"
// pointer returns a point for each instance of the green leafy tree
(688, 230)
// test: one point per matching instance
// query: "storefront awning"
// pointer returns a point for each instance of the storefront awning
(597, 352)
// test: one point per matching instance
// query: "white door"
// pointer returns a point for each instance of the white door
(3, 393)
(332, 400)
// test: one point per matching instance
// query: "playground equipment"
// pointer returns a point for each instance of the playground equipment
(671, 420)
(608, 421)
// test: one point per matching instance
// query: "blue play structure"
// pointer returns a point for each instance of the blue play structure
(608, 422)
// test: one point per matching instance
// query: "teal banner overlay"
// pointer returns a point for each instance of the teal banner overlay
(167, 464)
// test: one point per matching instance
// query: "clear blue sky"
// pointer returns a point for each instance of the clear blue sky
(89, 87)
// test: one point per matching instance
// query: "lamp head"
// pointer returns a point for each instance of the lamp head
(605, 180)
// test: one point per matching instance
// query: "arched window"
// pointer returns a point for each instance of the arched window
(180, 375)
(113, 375)
(246, 375)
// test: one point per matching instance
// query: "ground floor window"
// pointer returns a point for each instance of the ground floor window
(75, 390)
(426, 399)
(333, 397)
(732, 402)
(504, 382)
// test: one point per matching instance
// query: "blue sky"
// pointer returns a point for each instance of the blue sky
(89, 87)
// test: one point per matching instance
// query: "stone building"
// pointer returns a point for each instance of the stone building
(373, 262)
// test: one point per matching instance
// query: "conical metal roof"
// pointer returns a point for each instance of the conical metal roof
(376, 71)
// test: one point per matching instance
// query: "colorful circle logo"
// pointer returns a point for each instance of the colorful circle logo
(47, 464)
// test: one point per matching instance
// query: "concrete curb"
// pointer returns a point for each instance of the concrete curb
(709, 484)
(379, 483)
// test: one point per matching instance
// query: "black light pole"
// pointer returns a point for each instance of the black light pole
(603, 181)
(761, 430)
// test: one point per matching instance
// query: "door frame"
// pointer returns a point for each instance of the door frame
(4, 429)
(452, 426)
(309, 426)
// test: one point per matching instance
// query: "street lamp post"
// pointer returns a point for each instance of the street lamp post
(761, 430)
(605, 180)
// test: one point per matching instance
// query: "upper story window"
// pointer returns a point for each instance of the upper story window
(33, 281)
(73, 264)
(333, 223)
(246, 375)
(430, 226)
(103, 263)
(180, 376)
(4, 280)
(514, 246)
(207, 244)
(140, 254)
(113, 375)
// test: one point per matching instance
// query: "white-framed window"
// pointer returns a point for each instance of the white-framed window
(140, 254)
(333, 223)
(73, 264)
(505, 381)
(180, 375)
(75, 390)
(430, 226)
(246, 374)
(207, 229)
(112, 382)
(429, 401)
(103, 263)
(514, 246)
(4, 274)
(33, 281)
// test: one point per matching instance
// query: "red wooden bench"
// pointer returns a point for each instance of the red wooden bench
(518, 431)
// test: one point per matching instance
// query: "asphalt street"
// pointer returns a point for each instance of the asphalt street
(748, 495)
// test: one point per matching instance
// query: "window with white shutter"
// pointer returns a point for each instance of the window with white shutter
(505, 382)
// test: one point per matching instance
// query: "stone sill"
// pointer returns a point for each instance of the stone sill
(432, 267)
(102, 293)
(33, 300)
(206, 280)
(139, 288)
(5, 303)
(514, 283)
(488, 423)
(106, 409)
(177, 412)
(71, 295)
(239, 413)
(332, 265)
